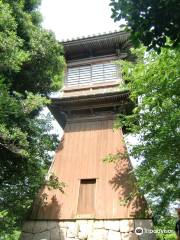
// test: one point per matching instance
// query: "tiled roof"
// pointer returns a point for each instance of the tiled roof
(101, 44)
(91, 36)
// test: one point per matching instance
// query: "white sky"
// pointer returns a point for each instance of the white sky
(75, 18)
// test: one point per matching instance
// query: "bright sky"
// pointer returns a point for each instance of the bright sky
(76, 18)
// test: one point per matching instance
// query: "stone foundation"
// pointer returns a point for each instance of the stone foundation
(87, 230)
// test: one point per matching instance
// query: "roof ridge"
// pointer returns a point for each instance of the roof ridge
(91, 36)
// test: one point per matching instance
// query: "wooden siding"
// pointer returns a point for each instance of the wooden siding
(80, 156)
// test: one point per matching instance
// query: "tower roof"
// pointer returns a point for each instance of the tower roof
(95, 45)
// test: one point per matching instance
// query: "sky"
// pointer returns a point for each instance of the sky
(75, 18)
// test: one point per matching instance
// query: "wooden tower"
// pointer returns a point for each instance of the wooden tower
(99, 202)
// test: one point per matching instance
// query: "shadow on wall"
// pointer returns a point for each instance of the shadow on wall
(45, 206)
(125, 183)
(43, 230)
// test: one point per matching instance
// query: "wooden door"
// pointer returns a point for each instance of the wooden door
(86, 200)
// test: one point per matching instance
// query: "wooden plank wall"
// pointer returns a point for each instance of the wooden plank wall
(80, 156)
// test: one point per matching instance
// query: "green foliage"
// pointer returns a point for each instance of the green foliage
(113, 157)
(8, 223)
(54, 183)
(149, 21)
(154, 81)
(171, 236)
(31, 66)
(167, 223)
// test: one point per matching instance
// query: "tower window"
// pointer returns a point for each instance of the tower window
(86, 201)
(90, 74)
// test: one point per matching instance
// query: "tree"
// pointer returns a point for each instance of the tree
(31, 66)
(149, 22)
(154, 81)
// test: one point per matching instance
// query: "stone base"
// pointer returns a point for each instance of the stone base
(87, 230)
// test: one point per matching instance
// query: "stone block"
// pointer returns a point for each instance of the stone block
(98, 234)
(129, 236)
(114, 235)
(55, 233)
(73, 229)
(82, 235)
(81, 222)
(86, 227)
(126, 226)
(52, 224)
(91, 223)
(99, 224)
(147, 236)
(146, 225)
(40, 226)
(71, 238)
(42, 236)
(112, 225)
(63, 233)
(63, 224)
(28, 226)
(26, 236)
